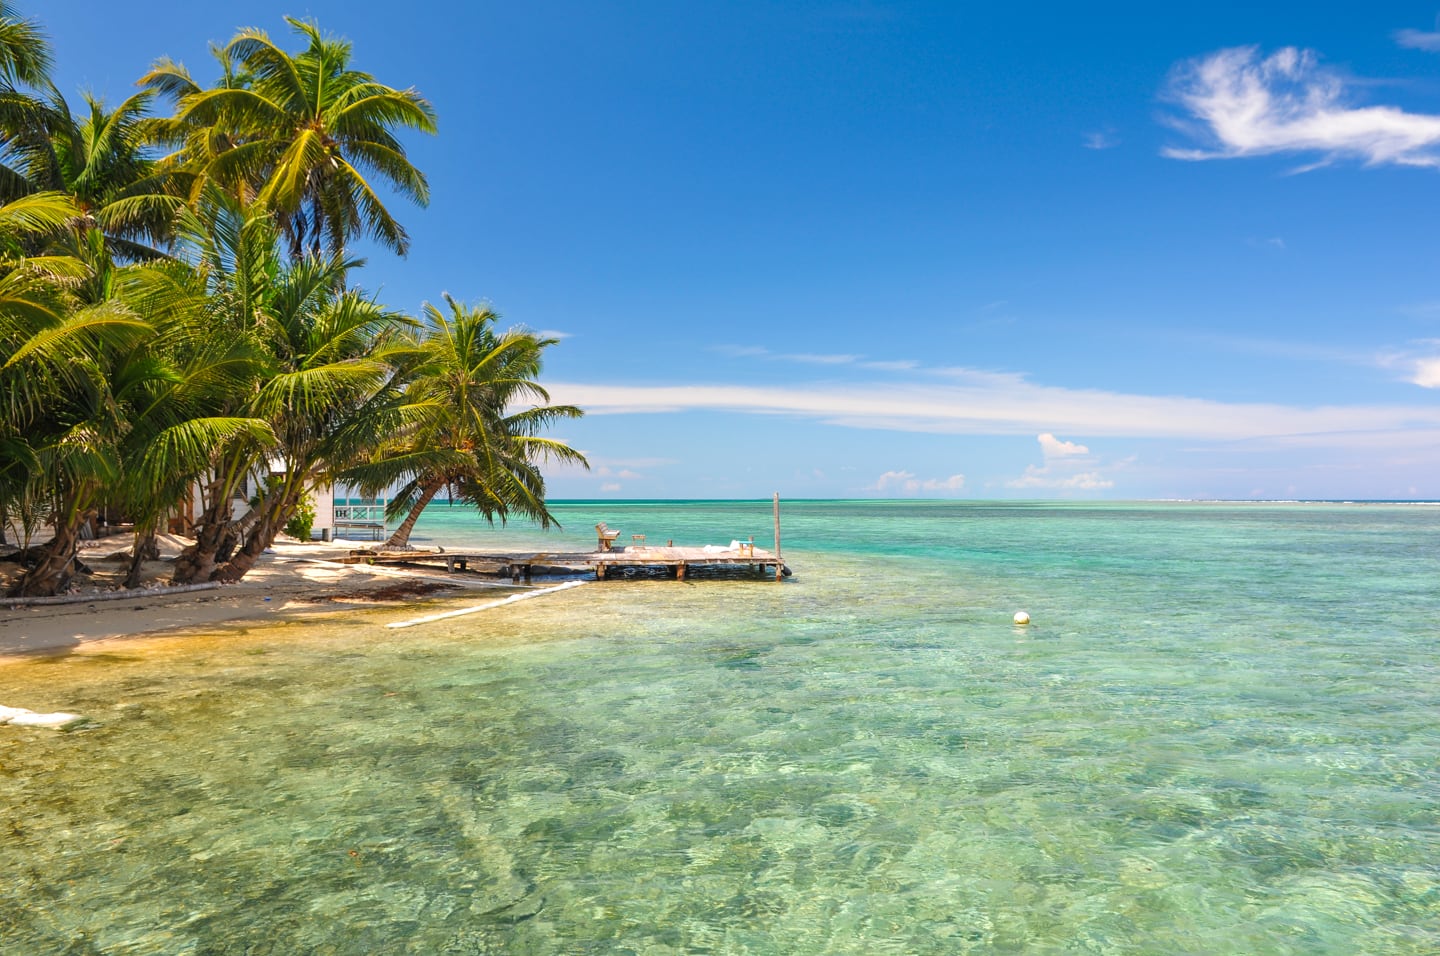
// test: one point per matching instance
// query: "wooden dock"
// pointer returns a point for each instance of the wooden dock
(671, 562)
(606, 560)
(679, 561)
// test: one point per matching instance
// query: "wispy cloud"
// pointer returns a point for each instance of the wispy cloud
(1287, 102)
(813, 358)
(1421, 310)
(1035, 477)
(1271, 242)
(864, 362)
(1008, 405)
(1418, 40)
(809, 359)
(609, 468)
(1419, 366)
(905, 483)
(1289, 350)
(1101, 139)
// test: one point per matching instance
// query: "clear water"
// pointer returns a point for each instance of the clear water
(1220, 735)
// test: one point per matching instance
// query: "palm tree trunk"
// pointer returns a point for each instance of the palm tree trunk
(244, 558)
(214, 530)
(53, 572)
(273, 514)
(195, 563)
(400, 540)
(144, 549)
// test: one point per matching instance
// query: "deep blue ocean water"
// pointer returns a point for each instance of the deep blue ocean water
(1220, 734)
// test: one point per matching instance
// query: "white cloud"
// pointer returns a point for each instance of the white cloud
(1427, 373)
(1052, 447)
(905, 482)
(1009, 405)
(602, 467)
(742, 351)
(604, 471)
(1063, 461)
(1102, 139)
(1417, 368)
(1421, 310)
(1418, 40)
(953, 483)
(894, 480)
(1287, 102)
(1042, 478)
(610, 486)
(820, 358)
(809, 359)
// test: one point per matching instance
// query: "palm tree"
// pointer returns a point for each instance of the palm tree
(102, 159)
(24, 67)
(72, 366)
(108, 400)
(467, 387)
(323, 386)
(24, 50)
(179, 422)
(302, 134)
(33, 297)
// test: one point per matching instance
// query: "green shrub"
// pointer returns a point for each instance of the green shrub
(302, 521)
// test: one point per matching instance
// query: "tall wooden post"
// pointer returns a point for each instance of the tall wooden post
(778, 557)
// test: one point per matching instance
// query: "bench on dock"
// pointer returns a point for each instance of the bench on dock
(606, 537)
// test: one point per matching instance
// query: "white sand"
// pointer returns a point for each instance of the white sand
(277, 587)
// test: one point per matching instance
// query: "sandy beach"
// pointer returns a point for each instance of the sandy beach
(295, 579)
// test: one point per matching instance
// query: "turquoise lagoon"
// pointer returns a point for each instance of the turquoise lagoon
(1221, 734)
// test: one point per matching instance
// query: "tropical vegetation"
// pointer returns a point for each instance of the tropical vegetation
(180, 321)
(478, 414)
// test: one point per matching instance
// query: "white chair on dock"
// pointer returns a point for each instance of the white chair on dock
(606, 537)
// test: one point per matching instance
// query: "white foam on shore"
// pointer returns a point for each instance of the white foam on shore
(20, 717)
(486, 606)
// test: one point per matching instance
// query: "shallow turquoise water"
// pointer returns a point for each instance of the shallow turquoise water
(1220, 735)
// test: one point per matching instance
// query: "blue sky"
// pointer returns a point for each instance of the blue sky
(855, 249)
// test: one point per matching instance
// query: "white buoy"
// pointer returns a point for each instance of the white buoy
(1021, 617)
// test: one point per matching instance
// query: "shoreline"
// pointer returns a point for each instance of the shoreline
(297, 580)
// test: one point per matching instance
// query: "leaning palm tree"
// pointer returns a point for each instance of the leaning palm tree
(328, 400)
(305, 134)
(179, 422)
(476, 411)
(34, 296)
(322, 383)
(76, 364)
(100, 410)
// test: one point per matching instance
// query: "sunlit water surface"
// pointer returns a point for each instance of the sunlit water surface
(1220, 735)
